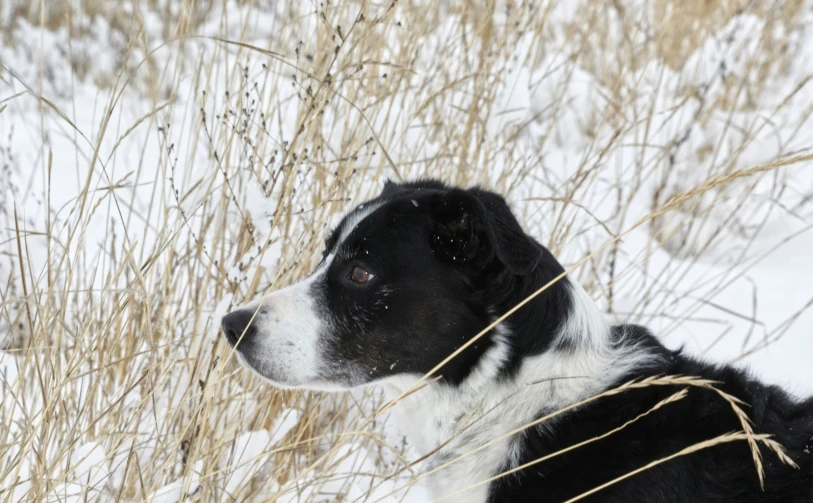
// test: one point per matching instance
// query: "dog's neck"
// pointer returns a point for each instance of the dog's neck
(451, 421)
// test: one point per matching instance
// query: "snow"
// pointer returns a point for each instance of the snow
(289, 420)
(727, 276)
(250, 451)
(89, 469)
(171, 493)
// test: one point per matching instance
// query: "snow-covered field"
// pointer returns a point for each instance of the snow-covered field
(160, 160)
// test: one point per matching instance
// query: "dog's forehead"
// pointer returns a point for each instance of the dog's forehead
(373, 211)
(356, 216)
(349, 222)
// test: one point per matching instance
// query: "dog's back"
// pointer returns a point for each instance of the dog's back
(638, 462)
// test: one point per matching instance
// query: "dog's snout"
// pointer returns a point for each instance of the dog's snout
(238, 326)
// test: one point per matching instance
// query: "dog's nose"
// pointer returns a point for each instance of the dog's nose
(237, 326)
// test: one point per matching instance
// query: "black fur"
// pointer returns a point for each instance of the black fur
(721, 473)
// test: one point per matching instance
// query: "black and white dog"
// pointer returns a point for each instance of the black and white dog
(408, 278)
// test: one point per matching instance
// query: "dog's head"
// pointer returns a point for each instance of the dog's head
(405, 280)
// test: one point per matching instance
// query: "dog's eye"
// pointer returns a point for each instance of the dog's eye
(360, 276)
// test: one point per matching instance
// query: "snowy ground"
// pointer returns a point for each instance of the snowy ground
(150, 175)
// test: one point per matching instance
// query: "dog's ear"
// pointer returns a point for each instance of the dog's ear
(390, 188)
(473, 227)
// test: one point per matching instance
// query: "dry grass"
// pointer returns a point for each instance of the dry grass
(114, 343)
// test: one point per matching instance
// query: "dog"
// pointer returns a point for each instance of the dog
(412, 276)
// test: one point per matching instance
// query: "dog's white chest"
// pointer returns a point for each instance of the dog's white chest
(463, 453)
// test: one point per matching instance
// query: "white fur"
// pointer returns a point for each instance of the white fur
(287, 350)
(483, 409)
(355, 218)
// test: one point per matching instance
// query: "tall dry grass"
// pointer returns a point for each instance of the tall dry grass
(115, 343)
